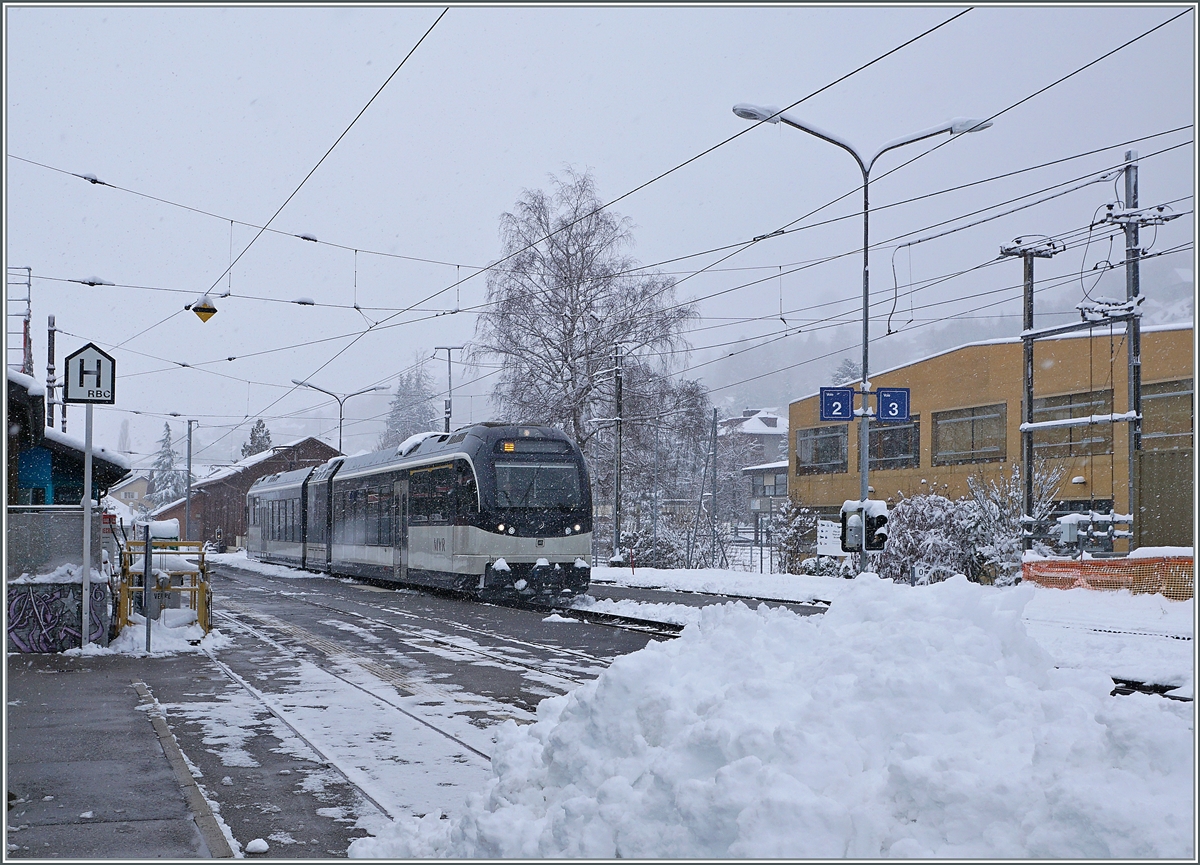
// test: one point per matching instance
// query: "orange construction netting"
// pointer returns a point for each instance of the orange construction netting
(1172, 577)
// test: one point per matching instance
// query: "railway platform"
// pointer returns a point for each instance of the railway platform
(91, 774)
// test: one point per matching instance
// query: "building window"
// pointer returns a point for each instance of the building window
(894, 446)
(821, 450)
(774, 484)
(1167, 419)
(969, 435)
(1072, 441)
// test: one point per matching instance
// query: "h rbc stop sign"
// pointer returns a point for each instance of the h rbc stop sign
(90, 377)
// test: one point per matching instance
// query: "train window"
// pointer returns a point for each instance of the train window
(443, 489)
(466, 497)
(358, 517)
(537, 485)
(339, 517)
(385, 516)
(431, 495)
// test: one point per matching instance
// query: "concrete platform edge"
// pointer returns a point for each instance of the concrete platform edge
(210, 829)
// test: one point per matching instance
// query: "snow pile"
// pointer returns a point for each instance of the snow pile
(241, 560)
(68, 573)
(910, 723)
(748, 584)
(680, 614)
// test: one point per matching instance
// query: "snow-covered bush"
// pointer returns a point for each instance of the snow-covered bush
(667, 550)
(795, 530)
(1000, 506)
(935, 532)
(827, 566)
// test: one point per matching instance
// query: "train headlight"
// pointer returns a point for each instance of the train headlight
(577, 527)
(500, 527)
(512, 530)
(567, 530)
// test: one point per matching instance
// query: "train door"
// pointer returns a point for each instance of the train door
(400, 550)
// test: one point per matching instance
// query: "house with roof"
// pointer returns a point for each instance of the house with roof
(766, 431)
(218, 502)
(44, 483)
(45, 466)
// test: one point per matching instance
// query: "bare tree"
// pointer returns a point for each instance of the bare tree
(566, 294)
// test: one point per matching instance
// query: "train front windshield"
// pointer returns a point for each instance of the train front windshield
(538, 485)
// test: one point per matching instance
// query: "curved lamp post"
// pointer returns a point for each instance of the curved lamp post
(865, 162)
(341, 400)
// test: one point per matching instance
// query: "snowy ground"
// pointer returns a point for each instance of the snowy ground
(952, 720)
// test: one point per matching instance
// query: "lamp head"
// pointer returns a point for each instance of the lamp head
(746, 111)
(960, 125)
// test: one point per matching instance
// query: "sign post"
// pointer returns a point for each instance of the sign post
(88, 378)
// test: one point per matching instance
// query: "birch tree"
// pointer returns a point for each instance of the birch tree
(565, 295)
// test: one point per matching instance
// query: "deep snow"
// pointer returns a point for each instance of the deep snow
(907, 722)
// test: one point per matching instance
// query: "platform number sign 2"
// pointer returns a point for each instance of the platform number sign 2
(893, 404)
(837, 403)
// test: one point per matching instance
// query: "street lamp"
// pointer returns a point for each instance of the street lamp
(957, 126)
(341, 400)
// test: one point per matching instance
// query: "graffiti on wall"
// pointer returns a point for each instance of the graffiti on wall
(45, 617)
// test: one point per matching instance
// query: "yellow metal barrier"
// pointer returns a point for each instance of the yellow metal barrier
(193, 579)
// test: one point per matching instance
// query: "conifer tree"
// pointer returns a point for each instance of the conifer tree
(260, 439)
(412, 409)
(170, 481)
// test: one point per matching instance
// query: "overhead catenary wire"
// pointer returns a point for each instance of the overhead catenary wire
(640, 267)
(468, 277)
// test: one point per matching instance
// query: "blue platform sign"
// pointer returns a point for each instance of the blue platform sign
(893, 404)
(837, 403)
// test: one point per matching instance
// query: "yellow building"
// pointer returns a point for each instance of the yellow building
(966, 409)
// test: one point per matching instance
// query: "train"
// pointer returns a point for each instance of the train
(497, 511)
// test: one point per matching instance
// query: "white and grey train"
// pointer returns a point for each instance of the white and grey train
(498, 511)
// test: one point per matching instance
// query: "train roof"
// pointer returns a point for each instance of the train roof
(426, 447)
(295, 477)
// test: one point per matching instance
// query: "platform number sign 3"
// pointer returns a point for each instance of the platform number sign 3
(837, 403)
(893, 404)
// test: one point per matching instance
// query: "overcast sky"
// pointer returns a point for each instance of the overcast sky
(227, 110)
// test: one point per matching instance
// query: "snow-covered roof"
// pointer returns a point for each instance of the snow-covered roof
(245, 463)
(117, 459)
(781, 465)
(164, 508)
(1002, 340)
(31, 384)
(755, 424)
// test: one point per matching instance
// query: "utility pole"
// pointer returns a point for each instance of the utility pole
(449, 379)
(616, 554)
(713, 509)
(187, 511)
(51, 382)
(1132, 290)
(1041, 248)
(654, 513)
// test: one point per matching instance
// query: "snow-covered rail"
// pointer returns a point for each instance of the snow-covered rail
(420, 633)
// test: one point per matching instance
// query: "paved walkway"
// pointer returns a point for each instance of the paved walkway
(90, 774)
